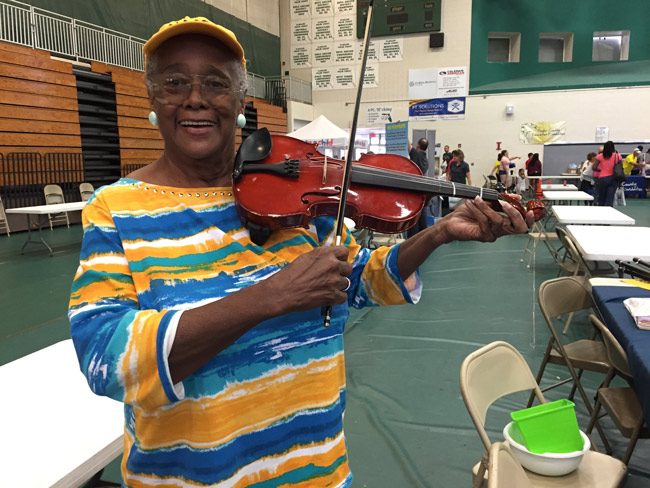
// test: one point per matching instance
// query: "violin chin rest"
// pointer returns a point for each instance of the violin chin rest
(258, 234)
(255, 147)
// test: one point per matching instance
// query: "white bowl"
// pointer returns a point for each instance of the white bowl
(550, 463)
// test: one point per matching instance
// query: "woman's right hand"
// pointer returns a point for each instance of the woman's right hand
(314, 279)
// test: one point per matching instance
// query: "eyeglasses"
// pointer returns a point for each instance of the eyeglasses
(175, 88)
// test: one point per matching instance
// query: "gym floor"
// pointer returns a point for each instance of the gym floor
(406, 423)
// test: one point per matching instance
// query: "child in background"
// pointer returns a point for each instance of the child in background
(521, 182)
(587, 174)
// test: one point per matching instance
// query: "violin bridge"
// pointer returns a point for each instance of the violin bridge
(325, 170)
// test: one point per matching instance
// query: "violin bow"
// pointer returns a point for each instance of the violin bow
(327, 311)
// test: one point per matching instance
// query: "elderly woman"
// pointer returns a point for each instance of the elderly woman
(216, 345)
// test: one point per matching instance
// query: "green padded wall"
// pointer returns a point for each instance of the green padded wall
(141, 18)
(582, 18)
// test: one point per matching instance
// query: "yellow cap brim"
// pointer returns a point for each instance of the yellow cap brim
(196, 25)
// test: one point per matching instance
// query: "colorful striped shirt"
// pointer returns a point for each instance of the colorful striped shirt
(267, 410)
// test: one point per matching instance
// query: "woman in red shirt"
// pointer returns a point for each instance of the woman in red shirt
(604, 175)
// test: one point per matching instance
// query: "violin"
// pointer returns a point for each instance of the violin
(280, 182)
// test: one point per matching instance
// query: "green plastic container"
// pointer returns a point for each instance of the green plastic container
(548, 427)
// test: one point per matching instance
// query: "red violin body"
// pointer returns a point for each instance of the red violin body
(276, 201)
(287, 182)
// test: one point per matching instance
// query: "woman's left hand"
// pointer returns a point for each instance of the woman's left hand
(475, 220)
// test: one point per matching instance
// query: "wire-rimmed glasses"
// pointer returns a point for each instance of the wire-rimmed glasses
(175, 88)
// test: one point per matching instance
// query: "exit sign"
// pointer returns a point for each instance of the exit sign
(398, 17)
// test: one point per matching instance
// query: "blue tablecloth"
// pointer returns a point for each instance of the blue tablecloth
(635, 341)
(635, 186)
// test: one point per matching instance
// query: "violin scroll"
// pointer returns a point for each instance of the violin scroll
(536, 206)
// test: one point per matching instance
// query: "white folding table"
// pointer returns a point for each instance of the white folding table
(558, 187)
(578, 214)
(55, 431)
(567, 196)
(42, 211)
(607, 243)
(563, 196)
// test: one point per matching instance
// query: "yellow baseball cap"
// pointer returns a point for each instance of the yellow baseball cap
(195, 25)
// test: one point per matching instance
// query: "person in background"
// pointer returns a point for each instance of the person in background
(458, 170)
(534, 166)
(603, 168)
(446, 157)
(587, 180)
(506, 162)
(535, 169)
(631, 165)
(497, 166)
(521, 182)
(418, 155)
(435, 204)
(530, 156)
(643, 159)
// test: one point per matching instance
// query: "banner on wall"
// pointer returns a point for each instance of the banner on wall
(437, 109)
(378, 115)
(300, 9)
(391, 50)
(372, 51)
(344, 52)
(542, 132)
(423, 84)
(397, 138)
(322, 29)
(344, 27)
(322, 54)
(321, 79)
(344, 78)
(301, 56)
(431, 83)
(602, 134)
(345, 6)
(451, 82)
(322, 8)
(371, 76)
(301, 32)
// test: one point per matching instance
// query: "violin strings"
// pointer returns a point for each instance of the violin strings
(419, 182)
(424, 183)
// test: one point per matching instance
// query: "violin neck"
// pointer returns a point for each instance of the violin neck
(368, 175)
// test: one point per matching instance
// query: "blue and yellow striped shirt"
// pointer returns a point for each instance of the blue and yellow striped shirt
(267, 410)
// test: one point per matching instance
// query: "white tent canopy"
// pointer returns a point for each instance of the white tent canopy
(318, 129)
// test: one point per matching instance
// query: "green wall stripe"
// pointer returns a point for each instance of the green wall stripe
(583, 18)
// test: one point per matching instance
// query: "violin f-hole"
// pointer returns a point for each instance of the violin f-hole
(334, 192)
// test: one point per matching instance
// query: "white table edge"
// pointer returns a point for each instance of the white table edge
(623, 220)
(82, 474)
(596, 257)
(47, 209)
(600, 222)
(565, 195)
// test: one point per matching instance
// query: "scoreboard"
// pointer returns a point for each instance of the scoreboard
(398, 17)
